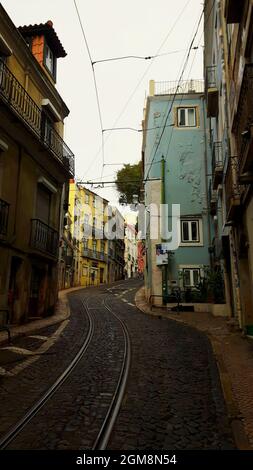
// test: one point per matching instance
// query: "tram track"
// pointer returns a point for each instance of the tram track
(103, 436)
(109, 421)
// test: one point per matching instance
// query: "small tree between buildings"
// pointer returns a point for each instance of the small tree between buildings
(128, 182)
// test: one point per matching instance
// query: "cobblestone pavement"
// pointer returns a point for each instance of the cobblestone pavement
(23, 377)
(173, 397)
(234, 354)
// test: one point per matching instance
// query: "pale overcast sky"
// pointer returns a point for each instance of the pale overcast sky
(113, 28)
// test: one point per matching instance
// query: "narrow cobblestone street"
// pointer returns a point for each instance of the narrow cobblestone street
(173, 396)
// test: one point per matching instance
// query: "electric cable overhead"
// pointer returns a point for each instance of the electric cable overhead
(205, 21)
(138, 84)
(138, 57)
(94, 77)
(174, 95)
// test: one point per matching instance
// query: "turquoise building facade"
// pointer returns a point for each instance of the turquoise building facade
(174, 130)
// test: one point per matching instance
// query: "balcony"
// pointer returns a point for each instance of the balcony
(232, 188)
(44, 238)
(243, 127)
(111, 253)
(97, 233)
(217, 164)
(15, 97)
(4, 216)
(212, 91)
(93, 254)
(212, 196)
(233, 10)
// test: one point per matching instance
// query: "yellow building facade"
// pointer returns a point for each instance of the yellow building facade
(89, 213)
(35, 167)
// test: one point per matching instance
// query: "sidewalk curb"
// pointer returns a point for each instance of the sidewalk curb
(234, 415)
(62, 312)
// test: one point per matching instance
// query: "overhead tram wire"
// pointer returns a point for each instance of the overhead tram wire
(139, 82)
(206, 20)
(94, 78)
(138, 57)
(174, 96)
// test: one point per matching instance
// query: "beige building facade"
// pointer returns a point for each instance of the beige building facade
(35, 166)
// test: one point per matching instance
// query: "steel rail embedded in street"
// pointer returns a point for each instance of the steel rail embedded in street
(111, 416)
(26, 419)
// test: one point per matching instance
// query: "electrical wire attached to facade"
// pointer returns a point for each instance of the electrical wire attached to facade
(175, 93)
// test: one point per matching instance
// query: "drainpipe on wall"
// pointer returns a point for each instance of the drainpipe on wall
(206, 178)
(17, 190)
(60, 228)
(165, 266)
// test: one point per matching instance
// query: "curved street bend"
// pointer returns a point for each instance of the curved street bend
(171, 398)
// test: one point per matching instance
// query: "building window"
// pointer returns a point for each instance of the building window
(94, 201)
(85, 243)
(86, 219)
(94, 245)
(186, 117)
(94, 221)
(43, 203)
(87, 198)
(85, 271)
(50, 60)
(190, 231)
(191, 277)
(102, 245)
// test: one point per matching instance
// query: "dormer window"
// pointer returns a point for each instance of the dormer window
(44, 44)
(50, 60)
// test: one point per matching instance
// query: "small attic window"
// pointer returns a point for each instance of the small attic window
(50, 60)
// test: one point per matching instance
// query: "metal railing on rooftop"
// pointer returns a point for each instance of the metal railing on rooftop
(185, 86)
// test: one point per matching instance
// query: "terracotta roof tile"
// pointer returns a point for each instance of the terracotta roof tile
(50, 34)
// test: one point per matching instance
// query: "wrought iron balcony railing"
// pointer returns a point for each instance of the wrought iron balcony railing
(217, 163)
(244, 120)
(44, 238)
(4, 216)
(212, 91)
(211, 77)
(17, 98)
(212, 197)
(217, 157)
(233, 190)
(94, 254)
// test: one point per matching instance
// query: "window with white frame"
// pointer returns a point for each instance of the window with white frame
(50, 60)
(190, 231)
(191, 277)
(186, 117)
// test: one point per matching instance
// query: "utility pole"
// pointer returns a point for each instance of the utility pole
(162, 222)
